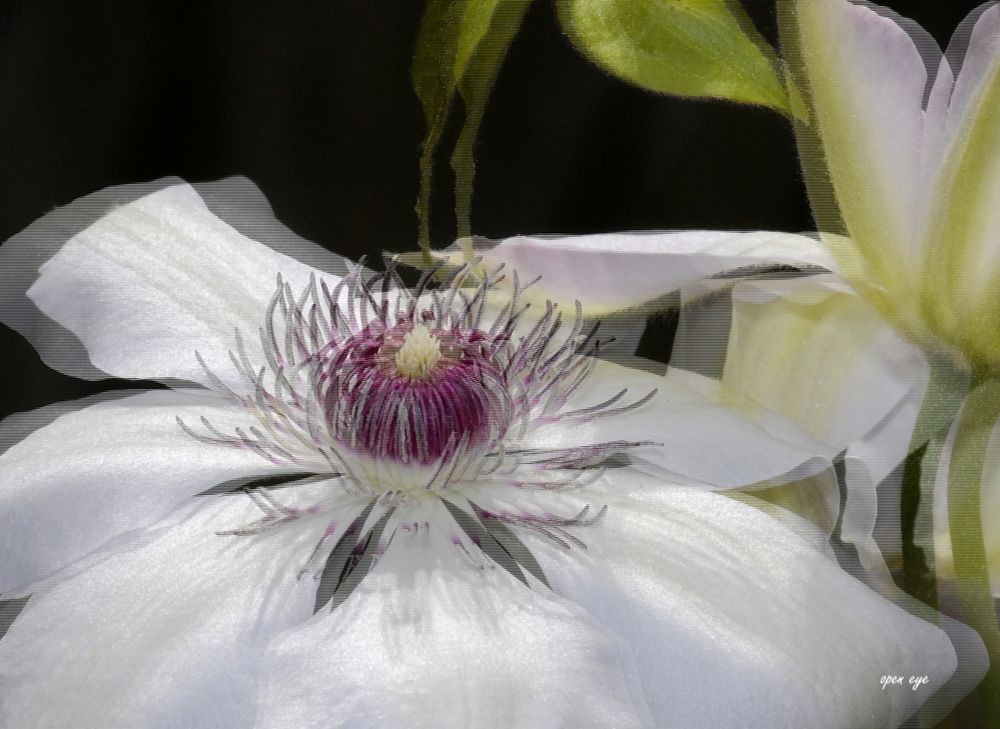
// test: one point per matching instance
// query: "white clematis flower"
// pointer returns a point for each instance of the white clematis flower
(910, 148)
(906, 140)
(520, 571)
(813, 350)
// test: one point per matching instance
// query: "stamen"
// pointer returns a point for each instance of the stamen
(401, 397)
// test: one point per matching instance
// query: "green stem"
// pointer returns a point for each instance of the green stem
(947, 387)
(918, 575)
(982, 407)
(463, 163)
(424, 195)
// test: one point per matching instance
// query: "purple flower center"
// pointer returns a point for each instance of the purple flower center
(415, 392)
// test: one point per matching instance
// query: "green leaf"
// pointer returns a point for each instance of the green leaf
(460, 47)
(434, 57)
(477, 17)
(703, 48)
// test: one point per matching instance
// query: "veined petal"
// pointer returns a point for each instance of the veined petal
(431, 640)
(157, 279)
(93, 474)
(163, 633)
(687, 428)
(613, 271)
(814, 351)
(977, 63)
(736, 620)
(963, 257)
(866, 82)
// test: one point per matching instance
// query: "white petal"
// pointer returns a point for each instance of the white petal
(815, 531)
(975, 193)
(918, 184)
(689, 429)
(612, 271)
(93, 474)
(155, 280)
(867, 81)
(871, 466)
(812, 350)
(978, 61)
(165, 633)
(429, 640)
(737, 621)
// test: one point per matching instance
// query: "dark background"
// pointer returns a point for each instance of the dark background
(312, 101)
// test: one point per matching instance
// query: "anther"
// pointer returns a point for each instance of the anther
(419, 354)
